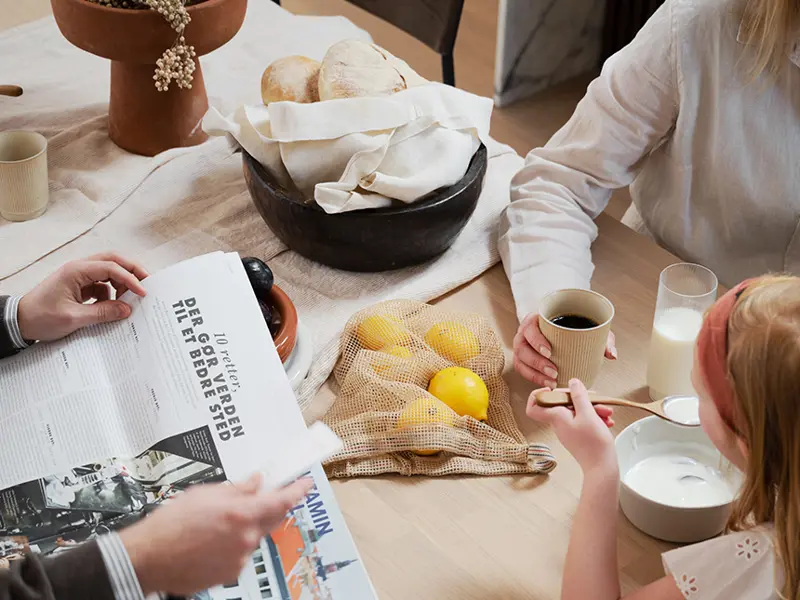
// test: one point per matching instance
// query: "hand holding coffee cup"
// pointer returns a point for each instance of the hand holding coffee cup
(535, 357)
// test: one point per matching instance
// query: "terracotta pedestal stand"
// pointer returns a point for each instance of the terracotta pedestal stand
(141, 119)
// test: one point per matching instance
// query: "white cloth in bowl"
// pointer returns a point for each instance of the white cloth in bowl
(364, 152)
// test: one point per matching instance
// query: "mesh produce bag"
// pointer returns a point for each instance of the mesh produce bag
(389, 422)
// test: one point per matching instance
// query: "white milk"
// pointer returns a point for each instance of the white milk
(669, 366)
(683, 409)
(677, 480)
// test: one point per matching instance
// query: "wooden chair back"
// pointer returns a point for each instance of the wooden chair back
(434, 23)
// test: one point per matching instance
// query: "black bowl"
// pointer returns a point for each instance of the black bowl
(370, 240)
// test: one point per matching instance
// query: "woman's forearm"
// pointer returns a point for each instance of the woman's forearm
(591, 569)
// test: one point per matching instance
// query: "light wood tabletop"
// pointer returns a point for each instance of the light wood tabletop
(502, 538)
(505, 538)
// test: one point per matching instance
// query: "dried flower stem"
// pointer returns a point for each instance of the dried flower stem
(177, 63)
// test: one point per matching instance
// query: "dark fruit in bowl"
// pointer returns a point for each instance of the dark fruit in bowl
(275, 324)
(259, 274)
(271, 316)
(266, 311)
(277, 309)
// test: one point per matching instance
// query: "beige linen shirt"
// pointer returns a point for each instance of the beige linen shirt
(713, 160)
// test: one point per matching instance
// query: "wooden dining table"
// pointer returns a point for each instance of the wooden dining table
(505, 538)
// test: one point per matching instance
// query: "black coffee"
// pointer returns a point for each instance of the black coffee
(573, 322)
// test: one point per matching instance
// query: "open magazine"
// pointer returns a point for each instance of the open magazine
(100, 428)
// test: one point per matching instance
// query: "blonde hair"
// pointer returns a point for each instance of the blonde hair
(764, 363)
(768, 27)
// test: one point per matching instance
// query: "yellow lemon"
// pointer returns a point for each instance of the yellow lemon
(379, 331)
(426, 410)
(398, 351)
(453, 341)
(462, 390)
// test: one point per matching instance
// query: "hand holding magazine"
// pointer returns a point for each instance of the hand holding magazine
(103, 426)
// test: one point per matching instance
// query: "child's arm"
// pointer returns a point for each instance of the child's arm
(591, 569)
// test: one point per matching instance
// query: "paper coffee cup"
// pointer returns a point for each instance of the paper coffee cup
(24, 189)
(577, 353)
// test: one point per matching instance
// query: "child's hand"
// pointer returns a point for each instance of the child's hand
(583, 429)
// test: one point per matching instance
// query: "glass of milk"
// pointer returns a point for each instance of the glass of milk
(685, 291)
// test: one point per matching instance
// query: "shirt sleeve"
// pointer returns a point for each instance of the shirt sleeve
(738, 565)
(120, 570)
(9, 326)
(78, 573)
(547, 230)
(12, 322)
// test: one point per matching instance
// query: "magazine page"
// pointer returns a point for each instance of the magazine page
(103, 427)
(195, 356)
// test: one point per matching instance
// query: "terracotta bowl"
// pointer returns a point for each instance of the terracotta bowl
(286, 338)
(371, 240)
(142, 119)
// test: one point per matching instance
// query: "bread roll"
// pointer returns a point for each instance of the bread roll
(291, 79)
(353, 69)
(409, 75)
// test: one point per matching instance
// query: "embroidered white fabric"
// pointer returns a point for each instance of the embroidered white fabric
(738, 566)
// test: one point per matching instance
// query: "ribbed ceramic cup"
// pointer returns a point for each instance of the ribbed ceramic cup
(577, 353)
(24, 188)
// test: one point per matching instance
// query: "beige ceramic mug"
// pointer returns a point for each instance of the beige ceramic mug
(24, 189)
(577, 352)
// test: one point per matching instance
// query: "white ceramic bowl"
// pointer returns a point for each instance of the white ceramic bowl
(299, 362)
(653, 436)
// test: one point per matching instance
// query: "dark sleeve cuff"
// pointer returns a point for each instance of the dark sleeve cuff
(12, 322)
(8, 346)
(79, 573)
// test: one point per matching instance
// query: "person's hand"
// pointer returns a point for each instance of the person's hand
(532, 353)
(583, 429)
(57, 306)
(203, 537)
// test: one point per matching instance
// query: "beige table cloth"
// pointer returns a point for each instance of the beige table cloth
(189, 201)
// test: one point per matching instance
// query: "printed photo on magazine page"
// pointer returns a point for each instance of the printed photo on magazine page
(309, 556)
(54, 513)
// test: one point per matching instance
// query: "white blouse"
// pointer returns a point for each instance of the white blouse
(738, 566)
(713, 160)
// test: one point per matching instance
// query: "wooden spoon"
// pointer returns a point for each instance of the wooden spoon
(10, 90)
(549, 399)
